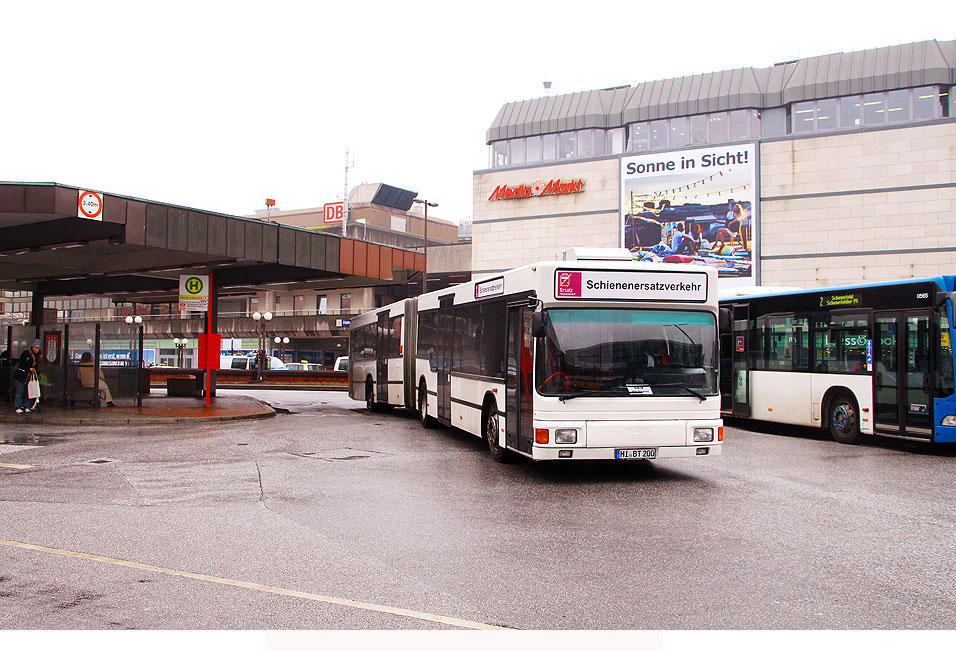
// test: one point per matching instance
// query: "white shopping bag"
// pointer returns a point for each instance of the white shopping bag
(33, 388)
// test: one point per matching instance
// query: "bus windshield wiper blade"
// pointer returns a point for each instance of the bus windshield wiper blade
(680, 385)
(595, 392)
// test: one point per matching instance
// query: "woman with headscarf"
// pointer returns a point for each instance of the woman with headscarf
(85, 372)
(27, 366)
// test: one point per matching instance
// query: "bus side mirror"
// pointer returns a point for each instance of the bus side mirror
(726, 320)
(538, 327)
(941, 298)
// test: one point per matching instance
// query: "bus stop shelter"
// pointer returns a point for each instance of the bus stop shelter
(60, 241)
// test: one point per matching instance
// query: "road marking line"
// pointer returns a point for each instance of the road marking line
(15, 466)
(361, 605)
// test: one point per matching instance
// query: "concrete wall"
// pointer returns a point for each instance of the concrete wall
(511, 232)
(855, 234)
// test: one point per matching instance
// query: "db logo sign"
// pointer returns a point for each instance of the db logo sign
(90, 205)
(333, 212)
(568, 284)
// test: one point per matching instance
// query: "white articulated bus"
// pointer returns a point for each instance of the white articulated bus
(596, 358)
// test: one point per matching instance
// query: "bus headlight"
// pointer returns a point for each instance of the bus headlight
(703, 434)
(949, 421)
(565, 436)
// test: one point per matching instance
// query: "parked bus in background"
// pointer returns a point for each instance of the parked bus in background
(874, 359)
(594, 356)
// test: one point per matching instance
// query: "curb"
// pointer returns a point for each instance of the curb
(114, 421)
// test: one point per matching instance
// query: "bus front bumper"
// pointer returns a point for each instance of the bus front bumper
(540, 453)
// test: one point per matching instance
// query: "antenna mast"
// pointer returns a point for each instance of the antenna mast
(345, 196)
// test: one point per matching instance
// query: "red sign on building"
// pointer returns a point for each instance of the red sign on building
(333, 213)
(537, 189)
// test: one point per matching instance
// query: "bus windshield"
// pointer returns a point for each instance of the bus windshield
(628, 352)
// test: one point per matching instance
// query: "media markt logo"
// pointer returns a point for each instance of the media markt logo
(537, 189)
(568, 284)
(194, 285)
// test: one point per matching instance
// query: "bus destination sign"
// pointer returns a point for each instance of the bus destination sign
(493, 287)
(631, 285)
(841, 300)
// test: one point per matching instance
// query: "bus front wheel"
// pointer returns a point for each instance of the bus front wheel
(498, 453)
(843, 419)
(427, 421)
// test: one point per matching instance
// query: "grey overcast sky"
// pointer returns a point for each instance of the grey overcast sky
(218, 105)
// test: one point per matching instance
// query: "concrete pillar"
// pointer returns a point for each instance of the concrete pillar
(36, 310)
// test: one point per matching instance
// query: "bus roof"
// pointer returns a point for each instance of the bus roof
(945, 283)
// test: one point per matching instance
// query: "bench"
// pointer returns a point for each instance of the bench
(186, 385)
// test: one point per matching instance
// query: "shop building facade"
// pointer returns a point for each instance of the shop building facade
(819, 171)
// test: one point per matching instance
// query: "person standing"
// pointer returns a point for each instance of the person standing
(26, 367)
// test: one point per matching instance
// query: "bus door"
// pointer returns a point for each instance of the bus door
(902, 373)
(741, 360)
(381, 358)
(520, 382)
(446, 326)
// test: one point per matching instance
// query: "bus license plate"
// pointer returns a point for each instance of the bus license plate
(637, 453)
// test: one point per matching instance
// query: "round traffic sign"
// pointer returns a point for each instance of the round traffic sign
(194, 285)
(90, 205)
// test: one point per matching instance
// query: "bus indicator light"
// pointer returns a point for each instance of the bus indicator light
(720, 433)
(541, 436)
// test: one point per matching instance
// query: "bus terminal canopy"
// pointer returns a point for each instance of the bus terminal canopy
(57, 240)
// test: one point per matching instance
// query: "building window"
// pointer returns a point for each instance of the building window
(549, 146)
(898, 106)
(517, 151)
(851, 111)
(926, 103)
(567, 144)
(719, 127)
(698, 130)
(658, 132)
(639, 140)
(874, 109)
(345, 303)
(321, 304)
(741, 124)
(679, 128)
(615, 141)
(534, 149)
(499, 153)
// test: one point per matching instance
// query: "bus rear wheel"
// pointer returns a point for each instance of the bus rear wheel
(427, 421)
(369, 396)
(491, 430)
(843, 419)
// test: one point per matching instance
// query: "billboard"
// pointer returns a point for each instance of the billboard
(696, 206)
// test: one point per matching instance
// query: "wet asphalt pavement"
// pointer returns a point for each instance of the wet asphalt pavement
(786, 529)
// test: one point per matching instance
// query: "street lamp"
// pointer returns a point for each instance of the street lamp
(180, 345)
(282, 341)
(425, 203)
(261, 320)
(138, 320)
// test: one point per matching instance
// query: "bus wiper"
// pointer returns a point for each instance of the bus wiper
(594, 392)
(680, 385)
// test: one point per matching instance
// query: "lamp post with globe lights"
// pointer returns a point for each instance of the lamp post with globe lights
(261, 319)
(282, 341)
(180, 345)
